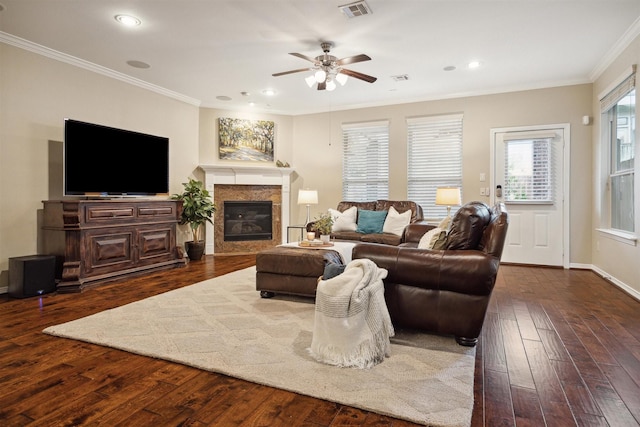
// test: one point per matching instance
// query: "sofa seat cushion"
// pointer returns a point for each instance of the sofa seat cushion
(386, 238)
(347, 235)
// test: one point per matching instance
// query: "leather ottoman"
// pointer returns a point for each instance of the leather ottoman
(293, 271)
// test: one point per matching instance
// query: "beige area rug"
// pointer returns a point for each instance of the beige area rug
(222, 325)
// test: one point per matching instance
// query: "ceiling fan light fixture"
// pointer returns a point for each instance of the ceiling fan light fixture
(331, 85)
(342, 79)
(310, 80)
(320, 76)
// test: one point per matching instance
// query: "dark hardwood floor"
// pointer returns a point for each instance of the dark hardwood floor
(559, 348)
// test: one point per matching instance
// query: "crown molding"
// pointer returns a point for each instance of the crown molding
(623, 42)
(81, 63)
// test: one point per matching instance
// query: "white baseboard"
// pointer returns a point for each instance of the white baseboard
(623, 286)
(4, 289)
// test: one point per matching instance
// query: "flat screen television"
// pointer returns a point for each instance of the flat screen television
(105, 161)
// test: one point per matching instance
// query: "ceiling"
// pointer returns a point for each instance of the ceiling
(200, 50)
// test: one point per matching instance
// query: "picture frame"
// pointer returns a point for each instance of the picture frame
(246, 140)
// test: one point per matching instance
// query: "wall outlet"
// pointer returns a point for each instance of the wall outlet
(487, 191)
(483, 191)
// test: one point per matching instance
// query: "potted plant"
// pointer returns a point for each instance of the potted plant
(322, 224)
(197, 208)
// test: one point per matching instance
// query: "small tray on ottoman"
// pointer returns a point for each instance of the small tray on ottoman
(314, 244)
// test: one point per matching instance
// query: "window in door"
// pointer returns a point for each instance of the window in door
(365, 161)
(528, 174)
(619, 127)
(434, 159)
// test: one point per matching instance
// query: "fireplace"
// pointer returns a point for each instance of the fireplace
(247, 220)
(244, 182)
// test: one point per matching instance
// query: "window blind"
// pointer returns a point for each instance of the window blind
(528, 173)
(365, 165)
(434, 159)
(620, 91)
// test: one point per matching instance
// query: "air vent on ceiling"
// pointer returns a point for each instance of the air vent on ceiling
(400, 77)
(355, 9)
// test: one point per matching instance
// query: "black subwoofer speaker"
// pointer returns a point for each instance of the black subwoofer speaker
(32, 275)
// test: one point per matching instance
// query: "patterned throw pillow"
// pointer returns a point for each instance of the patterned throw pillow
(430, 238)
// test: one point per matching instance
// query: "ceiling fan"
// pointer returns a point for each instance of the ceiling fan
(328, 69)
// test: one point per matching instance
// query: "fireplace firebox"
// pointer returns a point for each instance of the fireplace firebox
(247, 220)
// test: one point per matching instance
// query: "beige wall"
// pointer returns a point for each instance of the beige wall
(36, 94)
(613, 257)
(318, 148)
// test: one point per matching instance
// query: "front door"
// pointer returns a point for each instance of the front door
(528, 175)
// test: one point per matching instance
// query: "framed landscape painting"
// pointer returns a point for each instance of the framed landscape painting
(249, 140)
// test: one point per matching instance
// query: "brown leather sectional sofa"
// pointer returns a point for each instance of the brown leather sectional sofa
(444, 291)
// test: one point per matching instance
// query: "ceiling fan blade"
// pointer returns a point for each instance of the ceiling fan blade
(353, 59)
(357, 75)
(322, 85)
(291, 72)
(299, 55)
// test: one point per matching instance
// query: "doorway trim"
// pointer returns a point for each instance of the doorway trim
(566, 178)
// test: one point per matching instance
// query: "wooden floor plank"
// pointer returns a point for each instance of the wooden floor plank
(559, 347)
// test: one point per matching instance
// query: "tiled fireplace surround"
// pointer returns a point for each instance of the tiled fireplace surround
(232, 183)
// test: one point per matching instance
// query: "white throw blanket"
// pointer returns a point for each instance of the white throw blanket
(352, 325)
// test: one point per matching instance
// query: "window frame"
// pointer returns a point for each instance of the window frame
(609, 101)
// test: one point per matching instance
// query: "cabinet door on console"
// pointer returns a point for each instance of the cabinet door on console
(109, 250)
(155, 243)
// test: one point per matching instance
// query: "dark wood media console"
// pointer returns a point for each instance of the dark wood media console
(98, 240)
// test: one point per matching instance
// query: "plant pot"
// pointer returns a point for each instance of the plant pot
(325, 238)
(195, 250)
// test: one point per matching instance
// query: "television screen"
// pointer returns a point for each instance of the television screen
(106, 161)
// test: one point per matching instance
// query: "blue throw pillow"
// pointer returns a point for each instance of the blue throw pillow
(370, 221)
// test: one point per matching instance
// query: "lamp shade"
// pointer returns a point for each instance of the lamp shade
(448, 196)
(307, 197)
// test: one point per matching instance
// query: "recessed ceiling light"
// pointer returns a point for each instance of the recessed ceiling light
(138, 64)
(128, 20)
(269, 92)
(252, 104)
(223, 98)
(473, 64)
(449, 68)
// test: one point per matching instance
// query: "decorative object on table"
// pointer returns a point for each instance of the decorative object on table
(249, 140)
(448, 196)
(322, 224)
(428, 379)
(197, 208)
(311, 235)
(307, 197)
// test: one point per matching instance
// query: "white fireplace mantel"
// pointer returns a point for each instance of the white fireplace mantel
(248, 175)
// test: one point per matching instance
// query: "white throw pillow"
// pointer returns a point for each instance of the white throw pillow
(396, 222)
(344, 221)
(429, 238)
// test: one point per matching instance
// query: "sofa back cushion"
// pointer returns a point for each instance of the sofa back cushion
(401, 206)
(344, 205)
(467, 226)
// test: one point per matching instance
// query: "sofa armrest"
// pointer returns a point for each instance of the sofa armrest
(414, 232)
(464, 271)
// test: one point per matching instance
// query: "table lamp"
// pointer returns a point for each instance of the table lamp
(447, 196)
(307, 197)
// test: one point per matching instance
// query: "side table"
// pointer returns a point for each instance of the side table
(302, 228)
